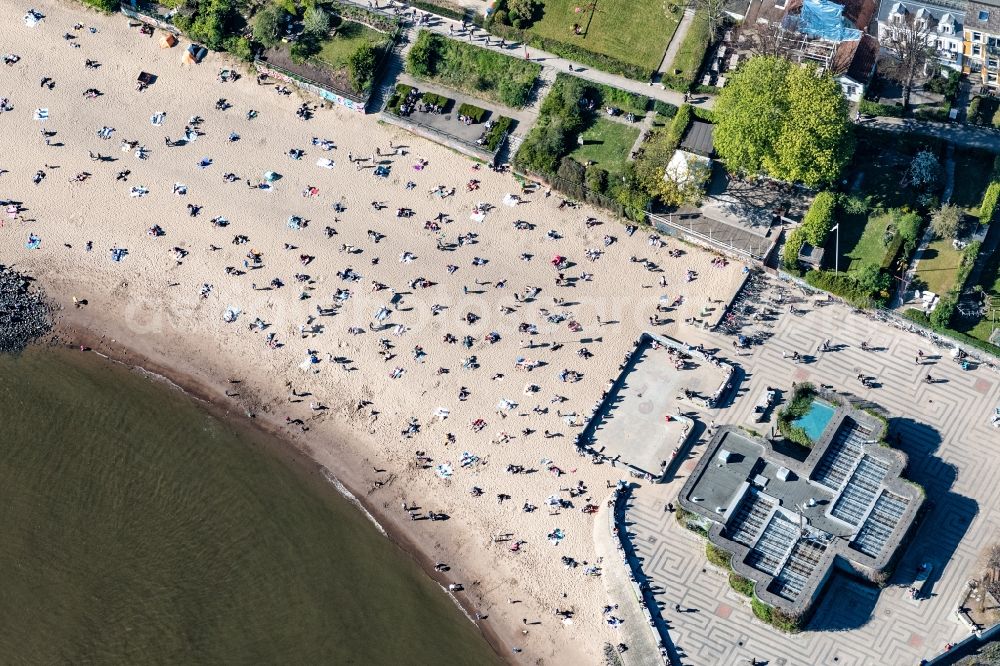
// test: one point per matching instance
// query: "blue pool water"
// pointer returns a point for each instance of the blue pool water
(815, 420)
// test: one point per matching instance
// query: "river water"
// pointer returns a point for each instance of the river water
(136, 528)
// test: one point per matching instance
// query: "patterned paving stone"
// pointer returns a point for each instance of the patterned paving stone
(943, 428)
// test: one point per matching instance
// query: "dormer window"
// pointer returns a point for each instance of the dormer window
(984, 15)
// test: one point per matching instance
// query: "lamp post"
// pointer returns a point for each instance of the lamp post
(836, 250)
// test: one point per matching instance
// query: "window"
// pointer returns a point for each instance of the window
(976, 37)
(992, 63)
(976, 49)
(852, 90)
(984, 15)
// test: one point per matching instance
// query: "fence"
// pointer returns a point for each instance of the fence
(139, 12)
(443, 137)
(353, 103)
(743, 244)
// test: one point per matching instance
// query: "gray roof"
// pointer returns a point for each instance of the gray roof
(991, 24)
(787, 520)
(935, 9)
(698, 139)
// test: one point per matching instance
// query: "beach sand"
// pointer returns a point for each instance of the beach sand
(147, 309)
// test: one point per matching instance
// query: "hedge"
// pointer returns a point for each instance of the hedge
(940, 114)
(869, 108)
(819, 218)
(435, 8)
(435, 100)
(988, 208)
(841, 284)
(103, 5)
(665, 109)
(492, 138)
(471, 111)
(679, 124)
(774, 617)
(920, 317)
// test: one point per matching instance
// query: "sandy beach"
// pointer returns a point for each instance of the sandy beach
(328, 384)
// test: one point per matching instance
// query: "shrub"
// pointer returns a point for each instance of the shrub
(972, 112)
(435, 100)
(470, 111)
(472, 69)
(941, 316)
(742, 585)
(798, 406)
(761, 610)
(846, 286)
(316, 20)
(597, 179)
(793, 245)
(665, 109)
(720, 557)
(938, 114)
(868, 107)
(988, 207)
(103, 5)
(679, 124)
(361, 67)
(491, 140)
(239, 47)
(945, 85)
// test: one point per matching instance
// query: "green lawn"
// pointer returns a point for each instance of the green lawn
(684, 69)
(869, 247)
(349, 38)
(938, 266)
(635, 32)
(607, 144)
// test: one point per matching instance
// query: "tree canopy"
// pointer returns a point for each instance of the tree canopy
(788, 121)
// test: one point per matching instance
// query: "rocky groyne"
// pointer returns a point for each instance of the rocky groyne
(24, 314)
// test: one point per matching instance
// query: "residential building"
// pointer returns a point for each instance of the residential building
(829, 33)
(941, 20)
(981, 37)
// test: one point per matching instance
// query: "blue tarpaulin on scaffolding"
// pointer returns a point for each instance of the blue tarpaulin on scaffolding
(825, 19)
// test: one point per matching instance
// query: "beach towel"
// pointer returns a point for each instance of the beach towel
(158, 118)
(325, 163)
(41, 114)
(34, 242)
(511, 200)
(231, 314)
(444, 471)
(32, 18)
(138, 192)
(118, 253)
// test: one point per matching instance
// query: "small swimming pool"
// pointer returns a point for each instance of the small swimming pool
(815, 420)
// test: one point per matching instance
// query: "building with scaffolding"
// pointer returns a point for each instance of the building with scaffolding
(831, 35)
(790, 522)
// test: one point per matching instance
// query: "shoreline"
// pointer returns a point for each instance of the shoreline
(281, 443)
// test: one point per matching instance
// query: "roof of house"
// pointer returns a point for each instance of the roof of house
(858, 12)
(936, 9)
(698, 139)
(856, 59)
(992, 22)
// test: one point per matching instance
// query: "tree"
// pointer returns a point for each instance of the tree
(787, 121)
(361, 66)
(945, 221)
(771, 38)
(924, 170)
(907, 51)
(816, 139)
(685, 186)
(750, 111)
(522, 13)
(715, 14)
(316, 21)
(267, 26)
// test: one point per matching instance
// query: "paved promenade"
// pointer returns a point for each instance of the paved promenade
(952, 452)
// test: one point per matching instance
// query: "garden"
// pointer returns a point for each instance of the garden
(490, 128)
(472, 70)
(790, 419)
(616, 36)
(318, 42)
(601, 169)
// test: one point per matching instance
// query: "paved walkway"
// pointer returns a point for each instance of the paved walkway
(951, 448)
(479, 37)
(675, 42)
(969, 136)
